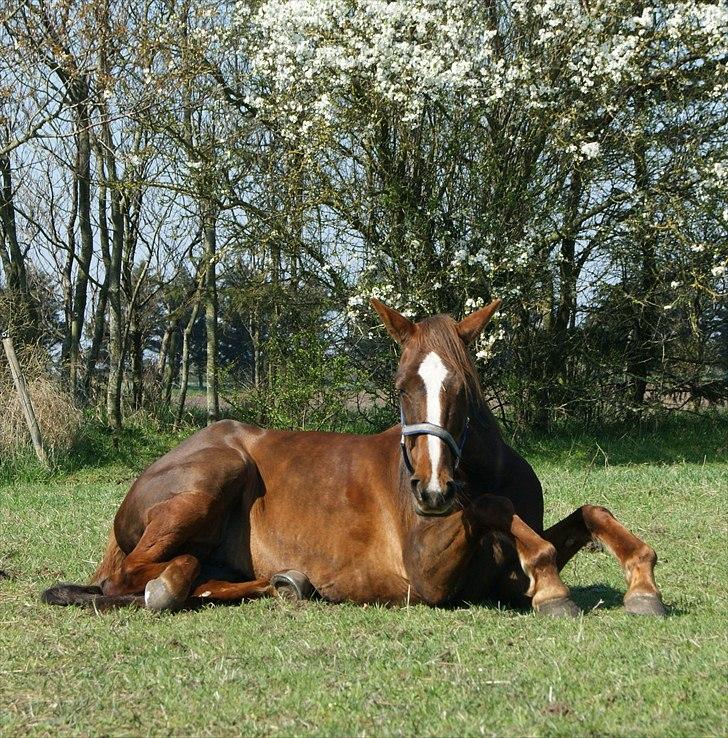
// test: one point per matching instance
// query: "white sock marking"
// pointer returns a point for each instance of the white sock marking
(433, 373)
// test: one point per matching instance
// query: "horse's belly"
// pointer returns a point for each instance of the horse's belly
(345, 556)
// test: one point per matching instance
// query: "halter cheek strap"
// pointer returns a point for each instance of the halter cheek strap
(430, 429)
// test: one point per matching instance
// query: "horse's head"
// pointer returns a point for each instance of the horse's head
(436, 381)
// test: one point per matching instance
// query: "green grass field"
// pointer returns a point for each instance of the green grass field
(272, 668)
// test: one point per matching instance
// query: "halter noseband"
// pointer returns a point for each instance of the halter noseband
(430, 429)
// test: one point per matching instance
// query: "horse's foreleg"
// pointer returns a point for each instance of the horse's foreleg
(591, 522)
(439, 552)
(548, 594)
(436, 555)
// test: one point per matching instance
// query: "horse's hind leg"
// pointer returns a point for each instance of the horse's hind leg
(166, 584)
(155, 565)
(215, 589)
(591, 522)
(287, 585)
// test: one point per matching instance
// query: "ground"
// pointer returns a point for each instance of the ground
(271, 667)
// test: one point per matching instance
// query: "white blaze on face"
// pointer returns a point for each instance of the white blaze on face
(433, 373)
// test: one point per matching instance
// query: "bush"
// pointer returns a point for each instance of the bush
(58, 416)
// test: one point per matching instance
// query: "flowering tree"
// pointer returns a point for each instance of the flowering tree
(266, 167)
(545, 152)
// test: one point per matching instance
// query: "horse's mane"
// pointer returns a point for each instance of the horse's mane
(439, 334)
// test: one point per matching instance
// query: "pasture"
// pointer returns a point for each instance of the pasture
(275, 668)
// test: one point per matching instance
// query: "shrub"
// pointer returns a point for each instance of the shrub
(58, 416)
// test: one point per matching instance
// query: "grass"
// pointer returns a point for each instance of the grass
(270, 668)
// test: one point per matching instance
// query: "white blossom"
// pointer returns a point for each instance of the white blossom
(590, 149)
(474, 303)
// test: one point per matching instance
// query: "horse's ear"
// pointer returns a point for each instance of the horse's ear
(469, 328)
(399, 327)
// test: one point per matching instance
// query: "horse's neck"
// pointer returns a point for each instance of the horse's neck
(483, 454)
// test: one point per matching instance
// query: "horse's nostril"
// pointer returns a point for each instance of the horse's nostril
(416, 488)
(450, 489)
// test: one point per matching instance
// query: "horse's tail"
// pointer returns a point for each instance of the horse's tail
(91, 595)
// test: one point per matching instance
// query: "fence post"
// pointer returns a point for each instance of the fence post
(25, 402)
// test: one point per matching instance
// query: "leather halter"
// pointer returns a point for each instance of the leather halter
(430, 429)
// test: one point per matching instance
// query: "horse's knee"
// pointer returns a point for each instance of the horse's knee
(543, 557)
(595, 516)
(491, 512)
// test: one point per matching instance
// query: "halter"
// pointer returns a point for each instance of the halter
(430, 429)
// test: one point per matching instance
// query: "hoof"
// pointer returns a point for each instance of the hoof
(292, 585)
(560, 608)
(157, 596)
(645, 604)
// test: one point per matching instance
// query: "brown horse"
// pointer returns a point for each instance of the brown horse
(437, 510)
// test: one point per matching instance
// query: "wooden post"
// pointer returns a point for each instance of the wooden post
(25, 402)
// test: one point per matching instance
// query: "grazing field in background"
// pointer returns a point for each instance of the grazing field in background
(269, 668)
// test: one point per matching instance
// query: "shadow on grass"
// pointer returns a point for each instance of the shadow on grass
(597, 597)
(604, 597)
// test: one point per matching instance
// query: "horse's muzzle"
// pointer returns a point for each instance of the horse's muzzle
(430, 502)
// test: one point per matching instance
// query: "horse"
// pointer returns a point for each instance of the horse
(437, 510)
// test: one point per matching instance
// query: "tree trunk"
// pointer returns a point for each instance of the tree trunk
(185, 363)
(22, 320)
(641, 353)
(556, 348)
(254, 330)
(99, 321)
(170, 368)
(116, 342)
(164, 345)
(137, 362)
(113, 391)
(13, 261)
(82, 176)
(67, 275)
(213, 403)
